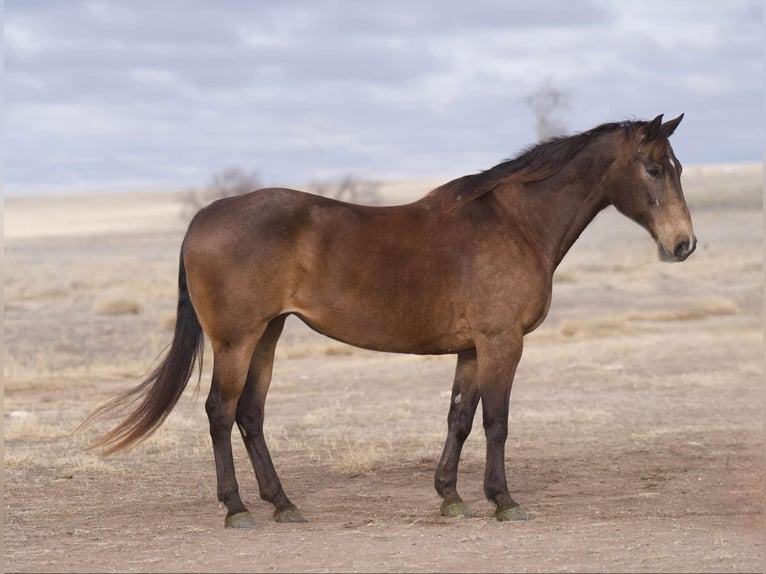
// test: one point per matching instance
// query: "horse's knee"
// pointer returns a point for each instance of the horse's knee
(250, 422)
(463, 424)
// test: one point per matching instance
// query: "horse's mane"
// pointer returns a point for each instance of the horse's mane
(534, 163)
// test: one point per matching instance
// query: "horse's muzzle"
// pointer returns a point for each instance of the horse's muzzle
(681, 251)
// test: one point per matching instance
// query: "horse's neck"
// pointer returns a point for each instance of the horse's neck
(559, 208)
(590, 203)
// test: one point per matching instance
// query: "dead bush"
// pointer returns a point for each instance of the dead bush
(226, 183)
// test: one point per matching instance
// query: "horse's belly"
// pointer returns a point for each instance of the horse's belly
(389, 332)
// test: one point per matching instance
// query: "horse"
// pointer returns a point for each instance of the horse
(466, 270)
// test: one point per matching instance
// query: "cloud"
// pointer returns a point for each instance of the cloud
(169, 92)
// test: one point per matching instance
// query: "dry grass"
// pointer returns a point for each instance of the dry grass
(562, 277)
(337, 350)
(168, 322)
(28, 427)
(86, 463)
(660, 433)
(587, 328)
(356, 458)
(401, 410)
(326, 416)
(626, 323)
(119, 307)
(562, 415)
(179, 433)
(285, 441)
(321, 349)
(699, 311)
(20, 459)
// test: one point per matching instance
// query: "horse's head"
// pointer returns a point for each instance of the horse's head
(648, 189)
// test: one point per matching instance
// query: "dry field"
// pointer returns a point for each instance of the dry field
(636, 431)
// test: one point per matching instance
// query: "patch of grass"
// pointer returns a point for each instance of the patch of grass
(179, 433)
(302, 351)
(699, 311)
(687, 431)
(85, 463)
(362, 458)
(604, 327)
(168, 323)
(563, 277)
(29, 428)
(399, 411)
(118, 307)
(23, 459)
(627, 323)
(570, 415)
(337, 350)
(326, 416)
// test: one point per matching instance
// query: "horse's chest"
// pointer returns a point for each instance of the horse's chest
(528, 300)
(537, 312)
(536, 300)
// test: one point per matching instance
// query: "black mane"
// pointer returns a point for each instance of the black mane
(553, 153)
(534, 163)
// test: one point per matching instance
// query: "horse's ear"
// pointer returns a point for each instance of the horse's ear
(667, 129)
(652, 129)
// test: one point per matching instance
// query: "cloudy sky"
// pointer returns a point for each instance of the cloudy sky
(146, 94)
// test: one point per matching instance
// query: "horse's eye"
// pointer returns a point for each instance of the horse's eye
(653, 171)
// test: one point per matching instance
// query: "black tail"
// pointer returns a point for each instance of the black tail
(159, 392)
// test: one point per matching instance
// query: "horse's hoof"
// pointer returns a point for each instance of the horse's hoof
(240, 520)
(513, 513)
(456, 509)
(290, 514)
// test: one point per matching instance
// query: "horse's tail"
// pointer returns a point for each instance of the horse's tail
(159, 392)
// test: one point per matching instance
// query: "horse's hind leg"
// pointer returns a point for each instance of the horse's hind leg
(250, 412)
(230, 365)
(465, 398)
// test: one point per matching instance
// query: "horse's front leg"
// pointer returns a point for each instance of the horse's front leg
(498, 358)
(463, 402)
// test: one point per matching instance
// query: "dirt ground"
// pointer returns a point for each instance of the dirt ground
(636, 427)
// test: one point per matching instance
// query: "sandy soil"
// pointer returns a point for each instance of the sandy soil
(636, 433)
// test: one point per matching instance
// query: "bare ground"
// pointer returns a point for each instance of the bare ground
(636, 432)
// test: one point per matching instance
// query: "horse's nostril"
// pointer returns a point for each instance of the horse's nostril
(684, 248)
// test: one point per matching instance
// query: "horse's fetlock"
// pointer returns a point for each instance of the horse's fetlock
(440, 485)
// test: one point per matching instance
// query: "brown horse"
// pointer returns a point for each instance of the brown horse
(467, 269)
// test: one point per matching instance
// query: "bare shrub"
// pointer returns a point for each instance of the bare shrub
(548, 102)
(226, 183)
(349, 188)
